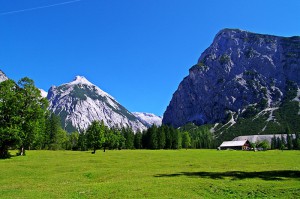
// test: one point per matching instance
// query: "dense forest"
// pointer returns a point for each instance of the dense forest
(27, 124)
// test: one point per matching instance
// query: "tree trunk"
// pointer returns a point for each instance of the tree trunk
(94, 151)
(22, 151)
(103, 149)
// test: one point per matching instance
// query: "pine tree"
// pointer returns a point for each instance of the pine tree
(168, 137)
(153, 137)
(297, 141)
(138, 140)
(273, 142)
(161, 137)
(186, 140)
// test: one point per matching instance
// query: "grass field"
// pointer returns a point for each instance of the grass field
(152, 174)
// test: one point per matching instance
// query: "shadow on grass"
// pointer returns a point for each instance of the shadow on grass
(240, 175)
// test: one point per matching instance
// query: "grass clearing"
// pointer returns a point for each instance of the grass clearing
(152, 174)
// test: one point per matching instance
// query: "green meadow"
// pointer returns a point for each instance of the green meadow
(151, 174)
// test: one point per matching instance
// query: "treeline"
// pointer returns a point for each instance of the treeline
(98, 136)
(289, 142)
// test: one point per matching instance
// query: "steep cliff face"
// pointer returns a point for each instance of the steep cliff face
(240, 73)
(80, 102)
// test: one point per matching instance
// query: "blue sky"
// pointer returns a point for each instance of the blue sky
(136, 50)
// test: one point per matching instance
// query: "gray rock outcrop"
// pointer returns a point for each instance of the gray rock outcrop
(239, 70)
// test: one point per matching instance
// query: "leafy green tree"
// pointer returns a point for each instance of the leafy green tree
(22, 114)
(129, 138)
(120, 139)
(73, 140)
(9, 117)
(32, 112)
(82, 142)
(95, 135)
(55, 136)
(111, 139)
(264, 144)
(186, 140)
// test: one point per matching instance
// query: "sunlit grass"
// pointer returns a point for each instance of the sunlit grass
(152, 174)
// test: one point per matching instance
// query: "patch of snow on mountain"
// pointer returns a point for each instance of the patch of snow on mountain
(297, 99)
(148, 118)
(43, 93)
(265, 111)
(80, 80)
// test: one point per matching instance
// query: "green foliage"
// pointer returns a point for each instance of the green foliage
(22, 113)
(95, 135)
(138, 140)
(128, 135)
(263, 144)
(72, 141)
(186, 140)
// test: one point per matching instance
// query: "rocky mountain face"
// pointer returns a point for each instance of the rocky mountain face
(242, 75)
(148, 119)
(3, 77)
(80, 102)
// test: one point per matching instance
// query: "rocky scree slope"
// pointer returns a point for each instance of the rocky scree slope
(80, 102)
(242, 78)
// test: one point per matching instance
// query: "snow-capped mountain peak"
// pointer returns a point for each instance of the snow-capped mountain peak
(80, 102)
(80, 80)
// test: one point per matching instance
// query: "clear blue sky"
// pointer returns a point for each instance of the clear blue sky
(136, 50)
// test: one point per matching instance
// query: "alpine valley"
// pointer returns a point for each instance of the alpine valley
(244, 83)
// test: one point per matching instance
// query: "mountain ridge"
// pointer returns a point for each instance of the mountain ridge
(238, 73)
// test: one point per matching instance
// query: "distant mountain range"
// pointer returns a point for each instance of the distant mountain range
(243, 83)
(80, 102)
